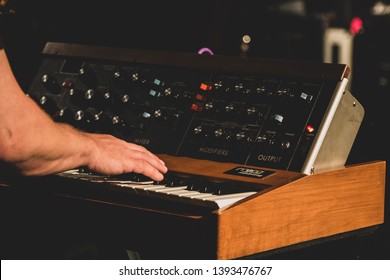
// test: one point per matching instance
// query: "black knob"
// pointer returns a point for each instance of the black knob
(118, 76)
(73, 116)
(65, 115)
(88, 77)
(77, 97)
(229, 108)
(97, 98)
(50, 84)
(218, 132)
(79, 115)
(198, 129)
(120, 101)
(48, 104)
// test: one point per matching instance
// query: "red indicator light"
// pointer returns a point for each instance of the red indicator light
(67, 84)
(205, 87)
(196, 108)
(309, 129)
(200, 97)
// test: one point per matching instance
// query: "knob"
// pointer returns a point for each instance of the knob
(209, 106)
(218, 132)
(218, 85)
(120, 101)
(106, 121)
(65, 115)
(238, 87)
(251, 111)
(167, 92)
(262, 138)
(229, 107)
(89, 94)
(48, 104)
(157, 114)
(77, 96)
(74, 116)
(240, 135)
(123, 98)
(135, 77)
(113, 118)
(286, 145)
(97, 98)
(50, 84)
(118, 76)
(198, 129)
(79, 115)
(88, 77)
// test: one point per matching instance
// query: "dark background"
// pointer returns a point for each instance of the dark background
(277, 31)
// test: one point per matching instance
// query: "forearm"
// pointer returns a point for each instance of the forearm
(29, 139)
(39, 146)
(35, 145)
(64, 148)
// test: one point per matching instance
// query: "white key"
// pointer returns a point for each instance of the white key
(231, 196)
(184, 193)
(227, 199)
(171, 190)
(181, 194)
(136, 186)
(113, 181)
(203, 196)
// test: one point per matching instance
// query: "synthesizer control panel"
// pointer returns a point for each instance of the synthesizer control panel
(272, 114)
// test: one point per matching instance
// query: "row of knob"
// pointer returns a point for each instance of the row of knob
(107, 118)
(228, 134)
(126, 79)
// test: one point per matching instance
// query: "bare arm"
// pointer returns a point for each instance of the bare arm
(33, 143)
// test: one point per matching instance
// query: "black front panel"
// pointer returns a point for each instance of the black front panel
(205, 110)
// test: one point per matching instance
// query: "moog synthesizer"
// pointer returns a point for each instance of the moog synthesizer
(236, 134)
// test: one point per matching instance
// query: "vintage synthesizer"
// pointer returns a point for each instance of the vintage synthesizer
(255, 148)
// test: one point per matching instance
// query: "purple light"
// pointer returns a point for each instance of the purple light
(206, 51)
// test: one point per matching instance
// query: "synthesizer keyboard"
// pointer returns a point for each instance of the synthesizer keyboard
(192, 191)
(255, 148)
(287, 207)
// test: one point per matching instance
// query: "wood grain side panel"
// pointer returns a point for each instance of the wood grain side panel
(309, 208)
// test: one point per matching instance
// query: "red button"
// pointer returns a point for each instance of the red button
(200, 97)
(205, 87)
(196, 108)
(309, 129)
